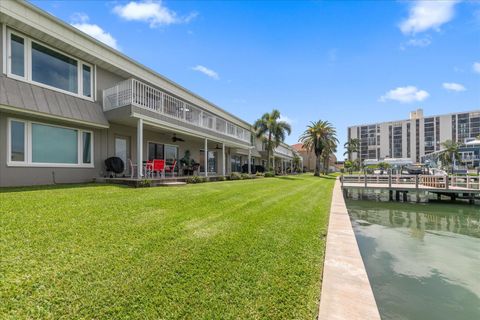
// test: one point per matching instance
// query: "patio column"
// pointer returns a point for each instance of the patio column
(205, 163)
(273, 164)
(249, 161)
(223, 159)
(139, 148)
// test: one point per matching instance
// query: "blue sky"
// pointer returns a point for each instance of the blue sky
(350, 62)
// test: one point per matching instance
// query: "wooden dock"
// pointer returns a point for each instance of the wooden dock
(454, 187)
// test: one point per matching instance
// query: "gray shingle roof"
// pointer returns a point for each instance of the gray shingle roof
(26, 96)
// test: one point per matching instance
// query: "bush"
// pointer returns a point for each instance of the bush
(245, 176)
(260, 174)
(269, 174)
(235, 176)
(144, 183)
(196, 179)
(221, 178)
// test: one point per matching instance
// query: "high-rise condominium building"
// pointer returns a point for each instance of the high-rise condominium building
(415, 137)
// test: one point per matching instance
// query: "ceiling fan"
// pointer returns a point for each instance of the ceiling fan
(175, 138)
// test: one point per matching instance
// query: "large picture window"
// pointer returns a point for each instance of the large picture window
(54, 69)
(63, 150)
(34, 62)
(37, 144)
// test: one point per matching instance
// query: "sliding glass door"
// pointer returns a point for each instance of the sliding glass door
(171, 154)
(122, 150)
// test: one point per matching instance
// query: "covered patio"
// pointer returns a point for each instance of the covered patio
(138, 140)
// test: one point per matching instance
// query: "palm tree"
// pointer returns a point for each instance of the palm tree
(272, 131)
(330, 148)
(319, 136)
(450, 153)
(351, 146)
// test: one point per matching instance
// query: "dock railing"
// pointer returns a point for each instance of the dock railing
(430, 181)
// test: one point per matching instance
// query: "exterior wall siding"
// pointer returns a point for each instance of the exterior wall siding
(22, 176)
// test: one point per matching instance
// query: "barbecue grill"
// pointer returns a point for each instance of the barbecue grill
(115, 165)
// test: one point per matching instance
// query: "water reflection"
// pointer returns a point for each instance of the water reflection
(423, 261)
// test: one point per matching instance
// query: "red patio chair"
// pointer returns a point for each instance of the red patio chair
(148, 168)
(158, 166)
(171, 169)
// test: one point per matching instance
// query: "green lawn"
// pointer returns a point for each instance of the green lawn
(236, 249)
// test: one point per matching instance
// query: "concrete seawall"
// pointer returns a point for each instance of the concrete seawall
(346, 291)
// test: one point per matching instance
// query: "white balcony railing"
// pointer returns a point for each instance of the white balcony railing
(139, 94)
(283, 150)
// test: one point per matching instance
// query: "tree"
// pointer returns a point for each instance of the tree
(272, 131)
(351, 146)
(383, 166)
(450, 153)
(330, 148)
(319, 136)
(296, 163)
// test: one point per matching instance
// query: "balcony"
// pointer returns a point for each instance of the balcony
(136, 93)
(284, 151)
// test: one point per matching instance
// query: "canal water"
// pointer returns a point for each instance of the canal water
(423, 260)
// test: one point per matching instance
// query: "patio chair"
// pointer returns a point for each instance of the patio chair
(148, 168)
(158, 166)
(171, 169)
(133, 167)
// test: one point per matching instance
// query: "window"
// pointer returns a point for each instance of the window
(236, 163)
(17, 53)
(211, 161)
(17, 141)
(87, 149)
(54, 69)
(34, 62)
(38, 144)
(171, 154)
(63, 150)
(155, 151)
(87, 80)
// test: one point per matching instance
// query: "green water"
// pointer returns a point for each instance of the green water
(423, 260)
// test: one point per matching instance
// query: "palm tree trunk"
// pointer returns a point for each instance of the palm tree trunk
(317, 166)
(269, 144)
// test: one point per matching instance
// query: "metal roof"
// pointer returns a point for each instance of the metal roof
(34, 99)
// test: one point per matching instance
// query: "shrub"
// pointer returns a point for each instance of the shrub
(144, 183)
(196, 179)
(269, 174)
(235, 176)
(260, 174)
(221, 178)
(245, 176)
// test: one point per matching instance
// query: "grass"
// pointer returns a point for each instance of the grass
(236, 249)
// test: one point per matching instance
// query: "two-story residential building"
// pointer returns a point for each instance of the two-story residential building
(68, 102)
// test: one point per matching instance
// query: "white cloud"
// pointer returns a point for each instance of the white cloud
(405, 94)
(417, 42)
(426, 14)
(155, 13)
(452, 86)
(286, 119)
(93, 30)
(209, 72)
(476, 67)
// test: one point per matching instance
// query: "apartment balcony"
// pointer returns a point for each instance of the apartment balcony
(281, 150)
(170, 109)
